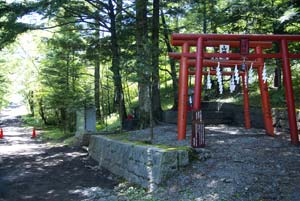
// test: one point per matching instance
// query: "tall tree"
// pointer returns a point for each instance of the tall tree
(63, 84)
(156, 104)
(119, 94)
(173, 71)
(97, 73)
(91, 14)
(143, 63)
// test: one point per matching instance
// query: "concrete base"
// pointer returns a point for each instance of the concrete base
(215, 113)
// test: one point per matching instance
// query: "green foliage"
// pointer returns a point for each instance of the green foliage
(59, 79)
(54, 134)
(277, 98)
(111, 123)
(3, 90)
(6, 68)
(10, 27)
(166, 97)
(47, 133)
(136, 193)
(31, 121)
(62, 77)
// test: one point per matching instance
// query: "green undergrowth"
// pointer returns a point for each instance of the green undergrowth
(111, 123)
(48, 133)
(30, 121)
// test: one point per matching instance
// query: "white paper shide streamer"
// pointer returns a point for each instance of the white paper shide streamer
(236, 74)
(232, 85)
(208, 81)
(246, 80)
(250, 75)
(264, 74)
(219, 77)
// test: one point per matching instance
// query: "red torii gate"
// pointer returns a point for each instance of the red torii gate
(201, 59)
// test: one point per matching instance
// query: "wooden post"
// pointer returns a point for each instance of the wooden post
(198, 130)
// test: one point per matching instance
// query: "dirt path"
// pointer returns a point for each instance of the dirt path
(32, 170)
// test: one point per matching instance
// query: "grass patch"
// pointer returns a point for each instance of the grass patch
(111, 123)
(29, 120)
(277, 98)
(119, 136)
(166, 96)
(124, 137)
(48, 133)
(55, 134)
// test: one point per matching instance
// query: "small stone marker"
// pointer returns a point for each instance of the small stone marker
(90, 119)
(198, 130)
(80, 121)
(85, 120)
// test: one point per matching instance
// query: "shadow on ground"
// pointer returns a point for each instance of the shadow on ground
(59, 173)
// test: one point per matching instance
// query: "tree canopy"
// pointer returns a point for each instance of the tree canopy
(113, 53)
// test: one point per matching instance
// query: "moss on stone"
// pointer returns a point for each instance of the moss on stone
(124, 137)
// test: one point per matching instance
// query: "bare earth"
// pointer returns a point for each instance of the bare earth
(236, 165)
(32, 170)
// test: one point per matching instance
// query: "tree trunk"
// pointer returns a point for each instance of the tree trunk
(97, 88)
(31, 102)
(278, 28)
(172, 62)
(156, 104)
(64, 119)
(204, 17)
(119, 95)
(143, 64)
(42, 111)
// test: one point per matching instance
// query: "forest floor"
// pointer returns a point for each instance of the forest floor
(236, 165)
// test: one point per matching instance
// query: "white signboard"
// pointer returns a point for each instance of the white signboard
(224, 48)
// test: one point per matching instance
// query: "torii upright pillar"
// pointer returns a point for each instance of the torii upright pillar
(198, 75)
(289, 96)
(183, 93)
(265, 99)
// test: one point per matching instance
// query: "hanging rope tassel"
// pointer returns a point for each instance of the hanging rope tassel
(264, 73)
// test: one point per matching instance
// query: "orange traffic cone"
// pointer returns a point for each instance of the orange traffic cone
(1, 133)
(33, 133)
